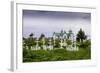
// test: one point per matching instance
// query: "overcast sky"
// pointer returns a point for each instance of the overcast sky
(47, 22)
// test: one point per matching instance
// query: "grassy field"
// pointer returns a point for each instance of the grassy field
(55, 55)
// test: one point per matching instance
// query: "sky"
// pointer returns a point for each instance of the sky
(47, 22)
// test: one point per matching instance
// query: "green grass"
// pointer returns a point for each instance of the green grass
(56, 55)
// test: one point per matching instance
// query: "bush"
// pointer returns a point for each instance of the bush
(85, 44)
(69, 42)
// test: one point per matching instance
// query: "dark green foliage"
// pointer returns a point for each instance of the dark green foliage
(85, 44)
(30, 41)
(69, 42)
(57, 43)
(41, 36)
(81, 36)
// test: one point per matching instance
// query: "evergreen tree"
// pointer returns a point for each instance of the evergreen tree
(81, 36)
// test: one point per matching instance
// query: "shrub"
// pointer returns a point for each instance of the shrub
(85, 44)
